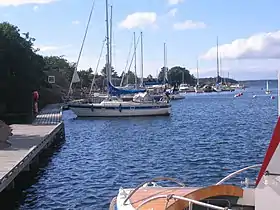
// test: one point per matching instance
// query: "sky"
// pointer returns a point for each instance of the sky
(248, 33)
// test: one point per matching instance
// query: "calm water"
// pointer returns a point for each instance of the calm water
(205, 138)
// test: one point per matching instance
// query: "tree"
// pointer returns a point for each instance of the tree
(150, 77)
(177, 75)
(130, 78)
(114, 73)
(86, 77)
(59, 63)
(161, 74)
(21, 69)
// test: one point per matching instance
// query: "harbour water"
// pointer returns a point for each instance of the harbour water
(207, 137)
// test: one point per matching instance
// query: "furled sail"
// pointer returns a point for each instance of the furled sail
(117, 92)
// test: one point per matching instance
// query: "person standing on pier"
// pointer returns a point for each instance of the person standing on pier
(36, 99)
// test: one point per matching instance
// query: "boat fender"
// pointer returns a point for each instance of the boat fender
(92, 109)
(120, 107)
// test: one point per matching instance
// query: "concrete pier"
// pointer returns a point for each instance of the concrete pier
(27, 142)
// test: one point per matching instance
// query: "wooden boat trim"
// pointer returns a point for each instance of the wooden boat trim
(198, 194)
(207, 192)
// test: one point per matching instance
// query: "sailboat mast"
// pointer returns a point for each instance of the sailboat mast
(197, 75)
(228, 77)
(135, 62)
(75, 76)
(267, 85)
(142, 63)
(164, 57)
(108, 47)
(217, 80)
(111, 39)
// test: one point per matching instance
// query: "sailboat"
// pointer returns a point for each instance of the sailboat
(261, 194)
(217, 87)
(267, 91)
(142, 104)
(197, 89)
(174, 94)
(129, 97)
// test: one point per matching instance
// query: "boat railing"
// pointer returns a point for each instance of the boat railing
(238, 172)
(151, 181)
(176, 197)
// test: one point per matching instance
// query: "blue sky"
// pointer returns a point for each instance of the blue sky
(249, 33)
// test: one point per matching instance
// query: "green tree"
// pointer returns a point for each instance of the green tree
(161, 74)
(59, 63)
(21, 69)
(177, 75)
(86, 77)
(129, 78)
(150, 77)
(114, 73)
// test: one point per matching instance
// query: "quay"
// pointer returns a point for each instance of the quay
(28, 142)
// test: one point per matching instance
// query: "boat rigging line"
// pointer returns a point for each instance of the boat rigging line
(127, 61)
(101, 52)
(137, 42)
(83, 42)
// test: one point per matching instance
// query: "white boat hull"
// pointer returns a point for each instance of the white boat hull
(267, 92)
(176, 96)
(117, 111)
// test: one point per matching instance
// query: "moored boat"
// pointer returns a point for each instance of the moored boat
(142, 105)
(267, 91)
(112, 106)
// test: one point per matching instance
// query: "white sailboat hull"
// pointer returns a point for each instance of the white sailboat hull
(217, 89)
(120, 111)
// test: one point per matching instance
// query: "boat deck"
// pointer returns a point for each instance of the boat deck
(199, 194)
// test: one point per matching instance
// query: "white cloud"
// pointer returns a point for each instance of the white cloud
(174, 2)
(172, 12)
(259, 46)
(35, 8)
(189, 24)
(75, 22)
(47, 48)
(21, 2)
(139, 20)
(50, 48)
